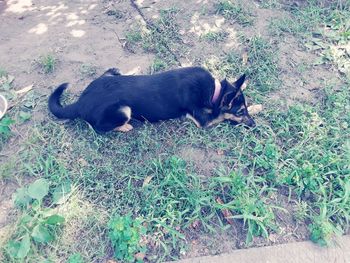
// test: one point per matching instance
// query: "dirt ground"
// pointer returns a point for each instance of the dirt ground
(82, 33)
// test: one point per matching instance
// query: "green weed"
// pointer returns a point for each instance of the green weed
(323, 229)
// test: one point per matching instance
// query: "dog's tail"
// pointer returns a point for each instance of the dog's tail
(67, 112)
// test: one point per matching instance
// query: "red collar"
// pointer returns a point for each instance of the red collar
(217, 91)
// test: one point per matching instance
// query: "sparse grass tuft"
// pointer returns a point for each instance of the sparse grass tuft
(133, 36)
(262, 68)
(88, 70)
(215, 36)
(262, 64)
(235, 12)
(163, 36)
(269, 4)
(47, 63)
(158, 65)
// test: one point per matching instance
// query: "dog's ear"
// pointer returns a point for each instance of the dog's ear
(229, 92)
(239, 83)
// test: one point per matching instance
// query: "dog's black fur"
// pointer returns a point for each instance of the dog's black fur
(162, 96)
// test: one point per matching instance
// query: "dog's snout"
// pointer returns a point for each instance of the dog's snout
(249, 122)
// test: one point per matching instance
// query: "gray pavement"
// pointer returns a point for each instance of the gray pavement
(303, 252)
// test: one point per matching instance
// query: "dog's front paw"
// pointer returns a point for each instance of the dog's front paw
(125, 128)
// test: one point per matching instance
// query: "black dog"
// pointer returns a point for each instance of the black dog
(110, 101)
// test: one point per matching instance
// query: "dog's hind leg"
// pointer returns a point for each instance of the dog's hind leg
(115, 117)
(126, 126)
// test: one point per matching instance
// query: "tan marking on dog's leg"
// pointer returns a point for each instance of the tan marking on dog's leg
(244, 85)
(134, 71)
(189, 116)
(219, 119)
(228, 116)
(126, 126)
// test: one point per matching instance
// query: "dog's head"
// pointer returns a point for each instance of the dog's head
(232, 104)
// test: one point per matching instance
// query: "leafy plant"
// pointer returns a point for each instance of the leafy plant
(75, 258)
(322, 229)
(37, 224)
(5, 130)
(125, 234)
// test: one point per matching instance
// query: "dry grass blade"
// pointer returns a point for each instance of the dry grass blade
(25, 89)
(244, 58)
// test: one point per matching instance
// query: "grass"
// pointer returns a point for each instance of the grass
(299, 154)
(47, 63)
(133, 36)
(158, 65)
(2, 72)
(235, 12)
(162, 37)
(302, 150)
(269, 4)
(215, 36)
(261, 66)
(88, 70)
